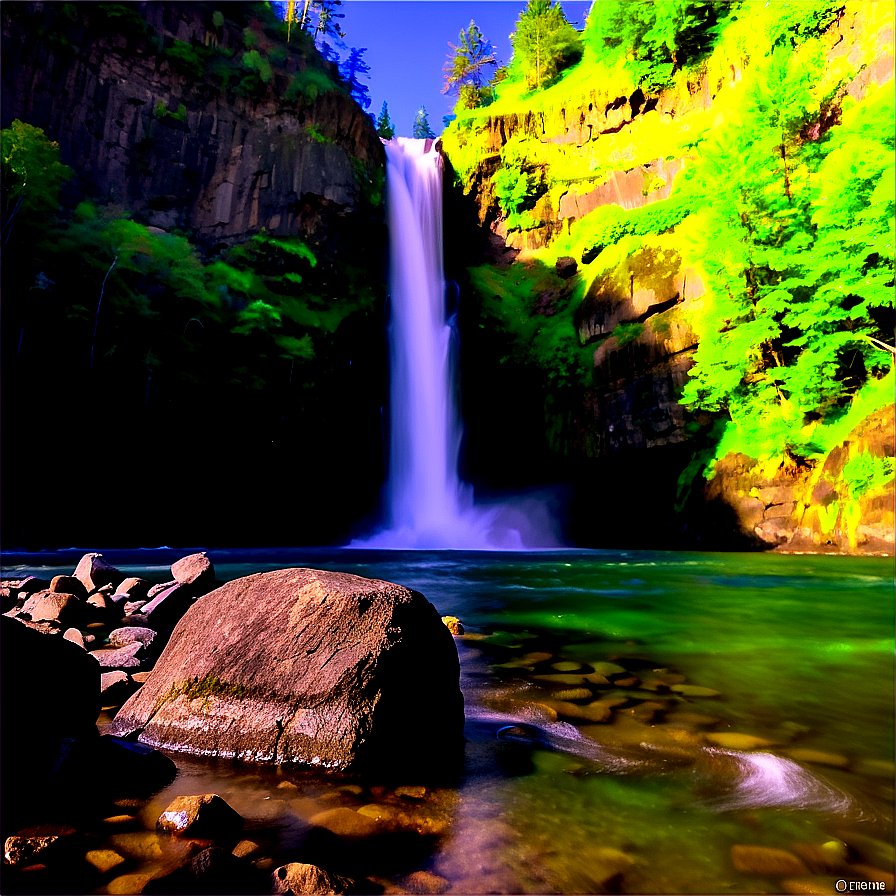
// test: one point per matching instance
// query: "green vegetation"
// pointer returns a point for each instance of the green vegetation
(466, 67)
(203, 689)
(384, 126)
(422, 130)
(544, 44)
(784, 208)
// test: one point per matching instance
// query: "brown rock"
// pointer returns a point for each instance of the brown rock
(74, 635)
(809, 886)
(823, 858)
(347, 823)
(159, 588)
(203, 815)
(45, 606)
(196, 570)
(693, 690)
(113, 686)
(306, 666)
(566, 267)
(732, 740)
(118, 657)
(818, 757)
(67, 585)
(455, 626)
(425, 883)
(767, 861)
(104, 860)
(131, 634)
(168, 606)
(560, 679)
(309, 880)
(136, 587)
(573, 694)
(92, 572)
(132, 607)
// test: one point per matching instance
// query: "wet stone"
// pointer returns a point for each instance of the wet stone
(573, 694)
(628, 681)
(537, 656)
(200, 815)
(822, 858)
(567, 680)
(347, 823)
(732, 740)
(608, 669)
(424, 882)
(453, 624)
(409, 792)
(298, 877)
(818, 757)
(104, 860)
(767, 861)
(809, 886)
(595, 678)
(566, 666)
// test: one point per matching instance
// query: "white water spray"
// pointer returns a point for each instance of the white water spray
(428, 505)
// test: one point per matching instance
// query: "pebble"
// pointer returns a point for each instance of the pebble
(596, 712)
(537, 656)
(608, 668)
(818, 757)
(566, 666)
(569, 680)
(767, 861)
(694, 690)
(629, 681)
(410, 792)
(573, 694)
(424, 883)
(823, 858)
(346, 822)
(134, 882)
(596, 678)
(142, 846)
(119, 821)
(732, 740)
(104, 860)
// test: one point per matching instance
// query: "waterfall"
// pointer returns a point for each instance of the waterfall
(428, 506)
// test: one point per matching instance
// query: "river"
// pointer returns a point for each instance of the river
(799, 651)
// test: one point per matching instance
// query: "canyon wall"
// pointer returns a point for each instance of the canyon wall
(630, 445)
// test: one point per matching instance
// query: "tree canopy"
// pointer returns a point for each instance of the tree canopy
(544, 43)
(384, 126)
(468, 64)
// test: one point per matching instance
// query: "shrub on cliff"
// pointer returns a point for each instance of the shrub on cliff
(544, 44)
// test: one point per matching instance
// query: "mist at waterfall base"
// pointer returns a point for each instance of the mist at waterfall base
(427, 505)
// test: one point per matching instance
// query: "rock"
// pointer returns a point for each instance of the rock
(732, 740)
(767, 861)
(114, 687)
(597, 679)
(347, 823)
(411, 792)
(628, 681)
(202, 815)
(608, 669)
(299, 878)
(102, 607)
(132, 607)
(307, 666)
(573, 694)
(818, 757)
(162, 586)
(93, 572)
(45, 606)
(104, 860)
(74, 635)
(425, 882)
(536, 656)
(212, 871)
(196, 570)
(67, 585)
(878, 876)
(51, 687)
(20, 851)
(693, 690)
(455, 626)
(596, 712)
(566, 666)
(118, 657)
(566, 267)
(560, 679)
(829, 857)
(132, 634)
(167, 607)
(140, 677)
(136, 587)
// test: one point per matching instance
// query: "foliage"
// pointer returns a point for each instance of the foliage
(422, 130)
(384, 126)
(800, 269)
(351, 71)
(544, 44)
(465, 70)
(516, 184)
(315, 133)
(308, 85)
(31, 175)
(866, 472)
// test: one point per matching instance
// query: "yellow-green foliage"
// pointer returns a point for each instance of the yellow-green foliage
(204, 689)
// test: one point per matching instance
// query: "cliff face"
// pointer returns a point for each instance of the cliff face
(184, 152)
(213, 313)
(601, 148)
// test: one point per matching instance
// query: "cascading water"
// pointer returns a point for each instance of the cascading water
(428, 506)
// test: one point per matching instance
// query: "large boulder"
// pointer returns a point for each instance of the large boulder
(310, 667)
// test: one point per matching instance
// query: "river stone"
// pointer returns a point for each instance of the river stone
(608, 669)
(733, 740)
(423, 883)
(560, 679)
(819, 757)
(767, 861)
(131, 634)
(454, 625)
(67, 585)
(118, 657)
(203, 815)
(299, 878)
(348, 823)
(46, 606)
(572, 694)
(136, 587)
(809, 886)
(306, 666)
(104, 860)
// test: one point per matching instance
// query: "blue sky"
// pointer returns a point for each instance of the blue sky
(407, 45)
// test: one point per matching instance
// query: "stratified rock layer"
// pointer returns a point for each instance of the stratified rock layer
(305, 666)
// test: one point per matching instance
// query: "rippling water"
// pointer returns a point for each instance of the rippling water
(800, 649)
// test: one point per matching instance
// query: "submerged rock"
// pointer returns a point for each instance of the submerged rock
(305, 666)
(201, 815)
(297, 877)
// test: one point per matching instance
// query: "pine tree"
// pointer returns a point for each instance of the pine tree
(466, 67)
(384, 126)
(544, 43)
(422, 130)
(351, 70)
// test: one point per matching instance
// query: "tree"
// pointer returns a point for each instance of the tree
(544, 43)
(422, 130)
(384, 126)
(465, 70)
(351, 70)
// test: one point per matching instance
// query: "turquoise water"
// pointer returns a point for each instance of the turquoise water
(799, 648)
